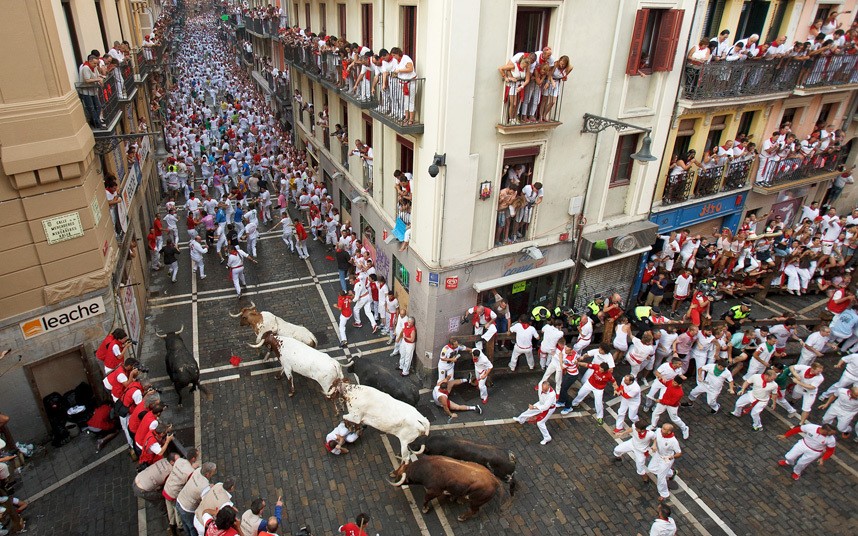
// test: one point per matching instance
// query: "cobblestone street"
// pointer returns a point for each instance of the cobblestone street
(272, 445)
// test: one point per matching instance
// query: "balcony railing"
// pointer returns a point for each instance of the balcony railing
(400, 102)
(344, 154)
(722, 80)
(534, 106)
(248, 57)
(708, 181)
(788, 170)
(736, 175)
(705, 182)
(678, 187)
(367, 177)
(101, 99)
(332, 68)
(126, 71)
(831, 71)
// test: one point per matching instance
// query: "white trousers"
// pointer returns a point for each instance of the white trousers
(198, 264)
(626, 447)
(343, 321)
(745, 400)
(174, 270)
(526, 352)
(539, 424)
(289, 240)
(446, 370)
(251, 245)
(662, 469)
(843, 419)
(711, 395)
(655, 392)
(800, 456)
(628, 406)
(484, 391)
(846, 381)
(556, 370)
(123, 421)
(585, 390)
(365, 304)
(238, 276)
(406, 353)
(672, 412)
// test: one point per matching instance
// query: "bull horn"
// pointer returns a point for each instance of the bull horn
(419, 452)
(256, 345)
(181, 329)
(233, 316)
(347, 365)
(160, 336)
(401, 481)
(252, 305)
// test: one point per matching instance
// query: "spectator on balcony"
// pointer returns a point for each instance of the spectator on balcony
(91, 82)
(837, 185)
(533, 92)
(831, 24)
(737, 52)
(403, 186)
(516, 75)
(559, 73)
(677, 176)
(700, 54)
(405, 72)
(720, 46)
(778, 48)
(506, 212)
(116, 52)
(749, 46)
(531, 195)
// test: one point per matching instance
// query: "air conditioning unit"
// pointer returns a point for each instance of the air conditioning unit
(617, 241)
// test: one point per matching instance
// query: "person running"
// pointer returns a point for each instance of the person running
(541, 411)
(817, 443)
(601, 377)
(763, 389)
(235, 265)
(482, 368)
(344, 304)
(638, 445)
(665, 450)
(669, 402)
(710, 380)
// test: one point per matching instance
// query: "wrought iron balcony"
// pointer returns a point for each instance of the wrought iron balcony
(831, 71)
(101, 98)
(126, 72)
(724, 80)
(529, 108)
(399, 105)
(705, 182)
(782, 172)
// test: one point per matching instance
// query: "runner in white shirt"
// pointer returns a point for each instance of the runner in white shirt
(761, 357)
(806, 380)
(818, 442)
(447, 358)
(763, 388)
(597, 356)
(482, 368)
(664, 374)
(524, 335)
(540, 412)
(338, 437)
(841, 406)
(639, 352)
(585, 334)
(639, 442)
(849, 376)
(813, 346)
(664, 451)
(664, 525)
(198, 249)
(710, 380)
(550, 335)
(555, 364)
(630, 399)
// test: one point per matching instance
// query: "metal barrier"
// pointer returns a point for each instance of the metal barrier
(719, 80)
(677, 188)
(532, 103)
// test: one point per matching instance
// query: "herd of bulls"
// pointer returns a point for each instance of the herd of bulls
(445, 466)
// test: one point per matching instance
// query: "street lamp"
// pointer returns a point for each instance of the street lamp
(594, 124)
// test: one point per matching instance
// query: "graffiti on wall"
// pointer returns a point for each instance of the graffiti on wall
(382, 263)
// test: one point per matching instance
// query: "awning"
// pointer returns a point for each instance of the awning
(529, 274)
(612, 258)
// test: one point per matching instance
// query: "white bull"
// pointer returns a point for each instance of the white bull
(367, 405)
(263, 321)
(297, 357)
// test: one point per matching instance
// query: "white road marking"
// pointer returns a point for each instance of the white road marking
(142, 528)
(224, 293)
(62, 482)
(230, 288)
(415, 510)
(195, 337)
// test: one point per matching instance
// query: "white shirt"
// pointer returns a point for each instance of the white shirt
(663, 527)
(782, 333)
(667, 372)
(547, 400)
(642, 444)
(762, 389)
(599, 358)
(236, 260)
(816, 441)
(665, 342)
(524, 335)
(683, 283)
(197, 250)
(482, 364)
(531, 195)
(550, 337)
(844, 404)
(630, 392)
(816, 341)
(585, 331)
(815, 381)
(716, 382)
(666, 446)
(640, 352)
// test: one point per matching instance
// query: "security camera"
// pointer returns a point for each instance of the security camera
(434, 170)
(437, 161)
(358, 200)
(533, 252)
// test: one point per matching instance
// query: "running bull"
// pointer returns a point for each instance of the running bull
(499, 461)
(456, 479)
(263, 321)
(375, 375)
(181, 365)
(295, 356)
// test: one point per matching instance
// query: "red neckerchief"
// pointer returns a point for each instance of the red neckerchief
(807, 373)
(666, 436)
(764, 381)
(642, 435)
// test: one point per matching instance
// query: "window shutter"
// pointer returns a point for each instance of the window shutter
(668, 38)
(638, 35)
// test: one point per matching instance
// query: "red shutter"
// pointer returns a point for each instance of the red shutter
(638, 35)
(668, 38)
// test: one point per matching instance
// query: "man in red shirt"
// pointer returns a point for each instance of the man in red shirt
(153, 238)
(669, 402)
(344, 304)
(602, 376)
(356, 528)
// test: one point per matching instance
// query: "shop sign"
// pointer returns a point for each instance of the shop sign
(62, 228)
(62, 317)
(521, 286)
(434, 279)
(522, 263)
(451, 283)
(698, 212)
(143, 149)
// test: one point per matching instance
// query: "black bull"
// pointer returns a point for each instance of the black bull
(499, 461)
(182, 368)
(377, 376)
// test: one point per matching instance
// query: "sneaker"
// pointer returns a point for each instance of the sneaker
(545, 441)
(617, 459)
(357, 325)
(757, 428)
(600, 420)
(478, 409)
(687, 404)
(783, 463)
(344, 344)
(566, 411)
(686, 433)
(375, 328)
(795, 476)
(618, 430)
(792, 415)
(713, 411)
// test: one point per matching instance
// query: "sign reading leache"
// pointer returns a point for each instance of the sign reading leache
(62, 317)
(62, 228)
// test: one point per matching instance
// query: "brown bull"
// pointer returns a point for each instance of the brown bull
(264, 321)
(445, 476)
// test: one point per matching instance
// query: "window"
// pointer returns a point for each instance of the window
(72, 32)
(101, 26)
(683, 136)
(519, 164)
(345, 203)
(366, 231)
(344, 115)
(745, 123)
(531, 29)
(409, 31)
(366, 24)
(400, 273)
(654, 40)
(824, 10)
(307, 15)
(341, 20)
(825, 113)
(623, 163)
(777, 21)
(297, 15)
(753, 17)
(719, 123)
(367, 130)
(323, 17)
(788, 117)
(714, 11)
(406, 155)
